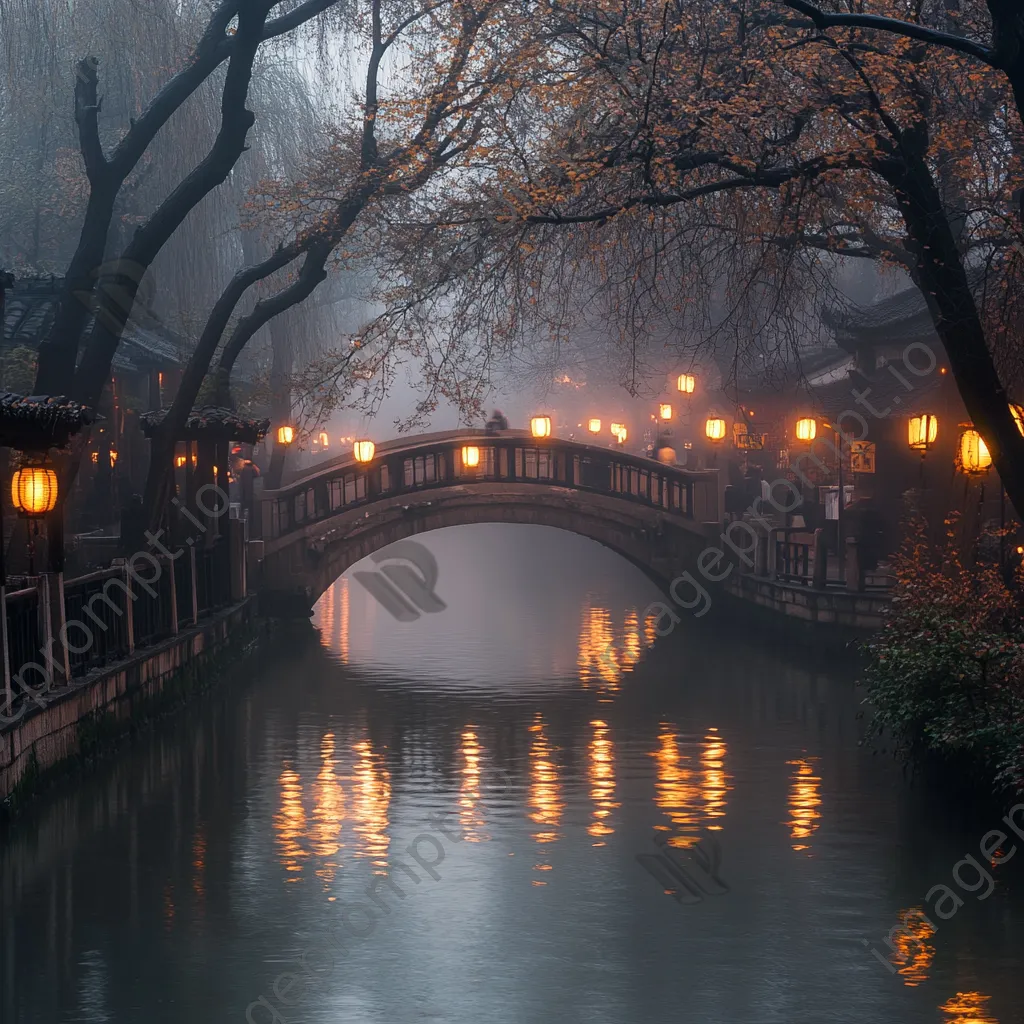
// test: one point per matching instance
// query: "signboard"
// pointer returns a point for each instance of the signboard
(862, 456)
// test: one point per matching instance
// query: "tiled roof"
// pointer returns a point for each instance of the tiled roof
(901, 318)
(30, 308)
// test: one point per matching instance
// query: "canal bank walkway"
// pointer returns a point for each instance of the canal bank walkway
(61, 725)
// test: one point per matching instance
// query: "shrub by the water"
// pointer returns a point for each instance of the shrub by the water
(946, 673)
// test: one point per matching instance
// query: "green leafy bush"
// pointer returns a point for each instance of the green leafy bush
(946, 673)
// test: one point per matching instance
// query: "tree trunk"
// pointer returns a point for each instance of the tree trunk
(942, 278)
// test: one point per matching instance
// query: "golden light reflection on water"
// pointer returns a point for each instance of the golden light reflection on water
(603, 658)
(804, 801)
(341, 636)
(470, 815)
(546, 805)
(371, 802)
(914, 951)
(328, 814)
(967, 1008)
(290, 824)
(602, 782)
(693, 799)
(716, 782)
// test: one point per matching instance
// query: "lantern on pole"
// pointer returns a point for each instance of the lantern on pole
(922, 432)
(685, 383)
(714, 428)
(806, 428)
(285, 434)
(363, 450)
(973, 455)
(665, 411)
(594, 426)
(325, 440)
(471, 456)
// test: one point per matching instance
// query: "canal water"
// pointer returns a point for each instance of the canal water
(521, 807)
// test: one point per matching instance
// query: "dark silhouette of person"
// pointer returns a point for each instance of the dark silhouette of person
(496, 422)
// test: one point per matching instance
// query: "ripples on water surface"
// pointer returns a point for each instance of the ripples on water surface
(535, 716)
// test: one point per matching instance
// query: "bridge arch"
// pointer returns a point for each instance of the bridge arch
(657, 517)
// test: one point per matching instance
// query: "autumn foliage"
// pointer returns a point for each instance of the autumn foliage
(946, 677)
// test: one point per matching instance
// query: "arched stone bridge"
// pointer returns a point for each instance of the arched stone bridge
(313, 528)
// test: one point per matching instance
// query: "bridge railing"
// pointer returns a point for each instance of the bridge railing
(340, 486)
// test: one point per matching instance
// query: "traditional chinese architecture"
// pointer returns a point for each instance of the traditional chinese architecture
(144, 373)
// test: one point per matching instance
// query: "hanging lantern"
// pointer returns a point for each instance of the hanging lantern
(363, 451)
(34, 490)
(922, 432)
(285, 434)
(621, 434)
(616, 429)
(540, 426)
(685, 383)
(471, 456)
(594, 426)
(973, 453)
(665, 411)
(113, 457)
(806, 428)
(325, 441)
(714, 428)
(179, 461)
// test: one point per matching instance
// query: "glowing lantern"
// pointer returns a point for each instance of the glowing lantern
(621, 434)
(325, 441)
(540, 426)
(974, 453)
(806, 428)
(714, 428)
(34, 490)
(285, 435)
(94, 456)
(363, 451)
(113, 457)
(471, 456)
(179, 461)
(665, 411)
(922, 432)
(1018, 416)
(594, 426)
(617, 428)
(685, 383)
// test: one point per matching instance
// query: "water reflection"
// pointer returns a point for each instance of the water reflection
(914, 950)
(470, 814)
(715, 779)
(546, 804)
(967, 1008)
(290, 824)
(372, 799)
(804, 801)
(328, 814)
(602, 782)
(676, 790)
(315, 762)
(605, 654)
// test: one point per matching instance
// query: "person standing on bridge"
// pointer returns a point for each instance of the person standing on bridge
(496, 422)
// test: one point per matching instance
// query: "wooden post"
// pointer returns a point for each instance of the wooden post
(129, 617)
(192, 578)
(854, 574)
(820, 576)
(174, 596)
